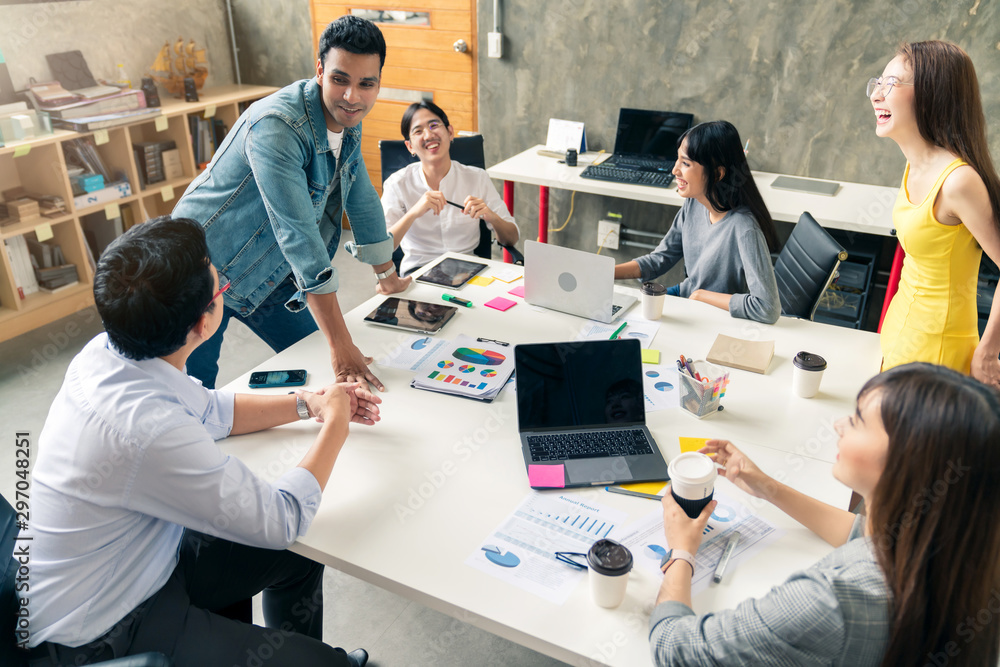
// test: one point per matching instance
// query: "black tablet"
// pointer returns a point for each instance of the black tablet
(410, 315)
(450, 272)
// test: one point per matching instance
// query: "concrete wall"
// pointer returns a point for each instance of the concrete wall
(274, 40)
(790, 75)
(109, 32)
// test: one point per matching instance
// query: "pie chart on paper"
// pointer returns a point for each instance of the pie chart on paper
(495, 556)
(420, 344)
(475, 355)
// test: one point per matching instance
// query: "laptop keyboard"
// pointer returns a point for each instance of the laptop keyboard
(588, 445)
(603, 172)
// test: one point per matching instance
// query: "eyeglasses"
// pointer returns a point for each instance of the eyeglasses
(432, 126)
(224, 284)
(883, 87)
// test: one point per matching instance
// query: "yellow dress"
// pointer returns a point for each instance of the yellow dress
(933, 315)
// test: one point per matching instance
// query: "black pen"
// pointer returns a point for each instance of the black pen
(454, 204)
(637, 494)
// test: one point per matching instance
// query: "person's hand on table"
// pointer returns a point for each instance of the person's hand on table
(393, 284)
(350, 365)
(986, 366)
(351, 396)
(738, 469)
(683, 532)
(476, 207)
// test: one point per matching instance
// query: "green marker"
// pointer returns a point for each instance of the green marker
(455, 299)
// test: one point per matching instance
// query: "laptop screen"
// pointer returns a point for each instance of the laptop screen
(582, 384)
(650, 134)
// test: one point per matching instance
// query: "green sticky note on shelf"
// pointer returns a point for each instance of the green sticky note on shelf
(692, 444)
(161, 123)
(650, 356)
(21, 151)
(43, 232)
(112, 211)
(167, 192)
(101, 137)
(210, 111)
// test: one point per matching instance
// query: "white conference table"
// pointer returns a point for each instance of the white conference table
(412, 497)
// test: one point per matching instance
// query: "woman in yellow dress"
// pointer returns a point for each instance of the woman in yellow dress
(947, 211)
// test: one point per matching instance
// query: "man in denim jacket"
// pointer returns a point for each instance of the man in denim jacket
(271, 203)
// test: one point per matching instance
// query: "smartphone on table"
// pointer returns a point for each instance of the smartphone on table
(263, 379)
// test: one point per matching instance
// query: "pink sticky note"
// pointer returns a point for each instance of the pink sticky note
(551, 477)
(500, 303)
(517, 291)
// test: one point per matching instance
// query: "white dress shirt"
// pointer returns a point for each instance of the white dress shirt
(450, 231)
(126, 460)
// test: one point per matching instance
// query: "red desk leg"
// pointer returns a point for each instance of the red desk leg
(543, 214)
(890, 289)
(508, 199)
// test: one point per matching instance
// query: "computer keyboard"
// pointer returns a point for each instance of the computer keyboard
(588, 445)
(603, 172)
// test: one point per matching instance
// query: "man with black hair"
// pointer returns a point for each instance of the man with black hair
(141, 527)
(272, 199)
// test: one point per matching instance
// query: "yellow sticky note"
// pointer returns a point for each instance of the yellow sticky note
(43, 232)
(210, 111)
(654, 488)
(692, 444)
(161, 123)
(101, 137)
(650, 356)
(22, 150)
(112, 211)
(482, 281)
(167, 192)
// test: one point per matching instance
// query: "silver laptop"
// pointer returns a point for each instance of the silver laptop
(573, 281)
(580, 407)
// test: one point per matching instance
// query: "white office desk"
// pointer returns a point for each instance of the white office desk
(413, 496)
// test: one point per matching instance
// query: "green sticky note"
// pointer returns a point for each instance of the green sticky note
(161, 123)
(43, 232)
(650, 356)
(21, 151)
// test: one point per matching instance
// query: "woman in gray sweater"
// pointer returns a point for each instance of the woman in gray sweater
(724, 231)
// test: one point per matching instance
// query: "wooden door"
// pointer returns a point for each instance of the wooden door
(421, 61)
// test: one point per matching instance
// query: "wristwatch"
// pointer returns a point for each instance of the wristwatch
(301, 407)
(677, 554)
(385, 274)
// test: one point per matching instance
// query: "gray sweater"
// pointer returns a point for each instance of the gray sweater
(730, 257)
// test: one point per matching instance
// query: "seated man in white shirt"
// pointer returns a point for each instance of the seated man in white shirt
(434, 206)
(141, 526)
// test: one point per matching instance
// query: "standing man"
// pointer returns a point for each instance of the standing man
(142, 528)
(272, 198)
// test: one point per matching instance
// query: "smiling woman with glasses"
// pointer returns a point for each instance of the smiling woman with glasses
(947, 211)
(434, 206)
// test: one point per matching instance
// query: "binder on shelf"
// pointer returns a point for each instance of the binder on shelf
(109, 194)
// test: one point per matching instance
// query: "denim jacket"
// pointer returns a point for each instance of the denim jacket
(265, 201)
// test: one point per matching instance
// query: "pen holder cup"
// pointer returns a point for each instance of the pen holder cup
(703, 398)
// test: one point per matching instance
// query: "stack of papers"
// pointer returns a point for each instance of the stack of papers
(467, 367)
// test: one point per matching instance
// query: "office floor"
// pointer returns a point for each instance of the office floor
(394, 630)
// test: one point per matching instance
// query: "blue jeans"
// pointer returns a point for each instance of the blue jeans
(673, 290)
(271, 321)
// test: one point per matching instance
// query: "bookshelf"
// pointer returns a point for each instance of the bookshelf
(39, 165)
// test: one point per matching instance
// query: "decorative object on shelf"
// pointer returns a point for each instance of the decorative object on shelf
(150, 91)
(173, 65)
(190, 90)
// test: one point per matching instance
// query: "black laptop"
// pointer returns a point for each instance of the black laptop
(580, 406)
(645, 148)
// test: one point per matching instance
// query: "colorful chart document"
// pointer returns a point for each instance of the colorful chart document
(661, 387)
(467, 367)
(522, 550)
(648, 544)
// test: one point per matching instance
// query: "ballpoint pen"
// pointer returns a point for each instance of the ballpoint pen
(637, 494)
(720, 569)
(618, 330)
(454, 204)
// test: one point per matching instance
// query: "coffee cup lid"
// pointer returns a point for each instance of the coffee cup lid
(808, 361)
(609, 557)
(653, 289)
(692, 468)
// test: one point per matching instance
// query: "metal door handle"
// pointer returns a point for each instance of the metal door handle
(460, 46)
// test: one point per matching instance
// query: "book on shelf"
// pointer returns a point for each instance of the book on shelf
(127, 100)
(109, 194)
(54, 290)
(82, 152)
(21, 267)
(149, 159)
(91, 123)
(55, 277)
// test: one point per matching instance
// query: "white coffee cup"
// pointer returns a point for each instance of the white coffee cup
(807, 373)
(692, 481)
(653, 295)
(610, 563)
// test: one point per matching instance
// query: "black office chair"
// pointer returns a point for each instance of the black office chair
(806, 266)
(468, 151)
(10, 655)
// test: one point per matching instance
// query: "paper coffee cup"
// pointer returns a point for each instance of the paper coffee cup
(652, 300)
(692, 481)
(610, 563)
(807, 373)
